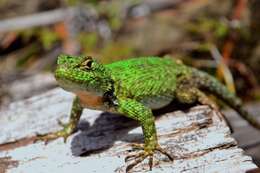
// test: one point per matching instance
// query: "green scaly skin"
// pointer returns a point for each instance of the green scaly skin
(133, 88)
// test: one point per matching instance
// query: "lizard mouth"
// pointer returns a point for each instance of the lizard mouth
(66, 81)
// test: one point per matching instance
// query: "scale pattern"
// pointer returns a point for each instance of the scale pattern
(150, 80)
(133, 88)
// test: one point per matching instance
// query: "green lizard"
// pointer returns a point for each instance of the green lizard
(133, 88)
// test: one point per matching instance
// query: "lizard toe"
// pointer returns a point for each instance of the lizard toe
(138, 158)
(164, 152)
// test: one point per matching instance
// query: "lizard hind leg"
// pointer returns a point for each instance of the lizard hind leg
(205, 100)
(191, 95)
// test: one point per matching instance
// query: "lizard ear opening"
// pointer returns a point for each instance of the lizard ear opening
(87, 63)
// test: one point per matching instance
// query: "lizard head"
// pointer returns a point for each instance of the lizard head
(82, 73)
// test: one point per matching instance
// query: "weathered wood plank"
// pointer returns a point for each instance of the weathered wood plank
(248, 137)
(199, 139)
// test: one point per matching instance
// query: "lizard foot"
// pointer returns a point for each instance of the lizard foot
(143, 154)
(65, 133)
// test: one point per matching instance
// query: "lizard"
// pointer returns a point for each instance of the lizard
(134, 87)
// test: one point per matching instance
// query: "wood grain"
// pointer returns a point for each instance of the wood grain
(198, 138)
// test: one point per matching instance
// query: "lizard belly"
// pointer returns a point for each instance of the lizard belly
(89, 100)
(156, 102)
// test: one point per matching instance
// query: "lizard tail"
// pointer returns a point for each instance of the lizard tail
(209, 83)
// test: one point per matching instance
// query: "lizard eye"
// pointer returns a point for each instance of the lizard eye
(87, 63)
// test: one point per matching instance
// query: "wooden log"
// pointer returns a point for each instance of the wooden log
(198, 138)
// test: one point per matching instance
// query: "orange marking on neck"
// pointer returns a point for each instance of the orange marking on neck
(89, 100)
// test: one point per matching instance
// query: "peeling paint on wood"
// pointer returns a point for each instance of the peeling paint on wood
(199, 139)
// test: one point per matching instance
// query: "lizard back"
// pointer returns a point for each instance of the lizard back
(150, 80)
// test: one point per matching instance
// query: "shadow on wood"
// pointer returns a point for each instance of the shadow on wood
(198, 138)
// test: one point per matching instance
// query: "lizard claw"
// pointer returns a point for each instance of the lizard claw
(136, 146)
(164, 152)
(64, 133)
(141, 155)
(46, 138)
(64, 125)
(52, 136)
(130, 157)
(138, 158)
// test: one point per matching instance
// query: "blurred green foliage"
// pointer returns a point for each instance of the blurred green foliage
(112, 12)
(208, 26)
(88, 41)
(47, 37)
(76, 2)
(115, 51)
(3, 2)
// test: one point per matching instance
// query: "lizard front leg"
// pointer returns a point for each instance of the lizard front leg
(144, 116)
(69, 127)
